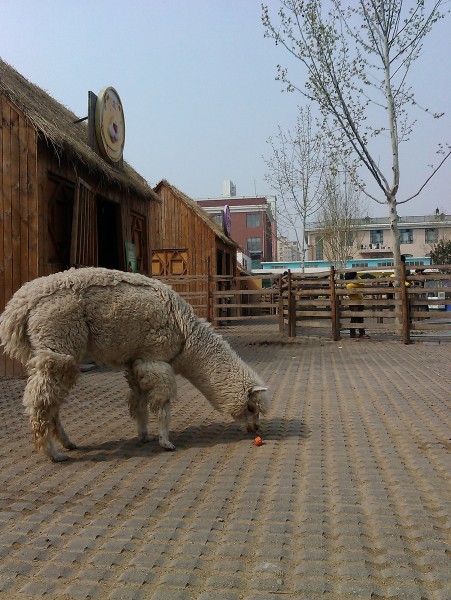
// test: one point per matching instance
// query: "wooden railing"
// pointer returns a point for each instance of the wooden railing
(321, 300)
(225, 299)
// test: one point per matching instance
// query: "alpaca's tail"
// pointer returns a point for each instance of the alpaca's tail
(13, 327)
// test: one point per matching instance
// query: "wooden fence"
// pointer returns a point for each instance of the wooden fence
(321, 300)
(226, 299)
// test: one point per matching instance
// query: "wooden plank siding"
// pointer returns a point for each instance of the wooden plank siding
(134, 205)
(178, 224)
(18, 211)
(48, 172)
(26, 168)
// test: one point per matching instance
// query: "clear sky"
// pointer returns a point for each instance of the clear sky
(197, 82)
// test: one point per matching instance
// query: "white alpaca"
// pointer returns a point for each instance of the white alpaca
(121, 320)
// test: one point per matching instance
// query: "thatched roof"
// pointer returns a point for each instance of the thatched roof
(55, 123)
(199, 211)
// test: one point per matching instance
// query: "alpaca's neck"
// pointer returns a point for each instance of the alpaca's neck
(209, 364)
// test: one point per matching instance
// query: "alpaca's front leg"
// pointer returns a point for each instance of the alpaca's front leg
(138, 406)
(139, 410)
(152, 385)
(164, 420)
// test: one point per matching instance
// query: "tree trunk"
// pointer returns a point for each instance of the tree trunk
(393, 220)
(304, 220)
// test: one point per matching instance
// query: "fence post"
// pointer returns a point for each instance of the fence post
(291, 308)
(281, 324)
(404, 304)
(333, 306)
(210, 311)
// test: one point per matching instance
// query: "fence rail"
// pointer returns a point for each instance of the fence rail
(322, 300)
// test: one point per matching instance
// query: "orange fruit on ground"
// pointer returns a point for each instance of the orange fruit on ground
(258, 441)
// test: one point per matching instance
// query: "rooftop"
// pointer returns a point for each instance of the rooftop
(435, 219)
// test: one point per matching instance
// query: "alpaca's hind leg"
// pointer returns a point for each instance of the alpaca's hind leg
(156, 382)
(61, 434)
(51, 377)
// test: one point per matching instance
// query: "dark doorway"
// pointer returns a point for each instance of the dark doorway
(59, 218)
(219, 269)
(108, 220)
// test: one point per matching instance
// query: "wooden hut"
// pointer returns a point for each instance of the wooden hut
(61, 203)
(187, 241)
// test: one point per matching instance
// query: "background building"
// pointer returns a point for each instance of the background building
(287, 250)
(375, 238)
(252, 222)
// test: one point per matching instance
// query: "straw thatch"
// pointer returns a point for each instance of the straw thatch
(56, 124)
(199, 211)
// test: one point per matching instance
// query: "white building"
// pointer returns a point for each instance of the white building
(374, 238)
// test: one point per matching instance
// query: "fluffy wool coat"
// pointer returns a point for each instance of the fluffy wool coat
(121, 320)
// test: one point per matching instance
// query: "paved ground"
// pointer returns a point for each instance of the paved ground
(349, 497)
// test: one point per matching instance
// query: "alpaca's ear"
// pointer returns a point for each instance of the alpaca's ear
(258, 399)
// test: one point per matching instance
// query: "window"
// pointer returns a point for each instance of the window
(415, 263)
(319, 253)
(386, 263)
(431, 235)
(253, 220)
(84, 244)
(254, 245)
(376, 236)
(406, 236)
(359, 264)
(217, 218)
(169, 262)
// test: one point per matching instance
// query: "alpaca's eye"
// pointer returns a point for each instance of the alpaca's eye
(251, 408)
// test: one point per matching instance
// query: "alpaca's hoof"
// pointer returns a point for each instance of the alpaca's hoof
(70, 446)
(59, 457)
(167, 445)
(144, 438)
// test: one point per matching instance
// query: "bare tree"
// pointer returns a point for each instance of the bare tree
(295, 170)
(338, 220)
(357, 59)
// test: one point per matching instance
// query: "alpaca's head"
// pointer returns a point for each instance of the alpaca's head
(255, 404)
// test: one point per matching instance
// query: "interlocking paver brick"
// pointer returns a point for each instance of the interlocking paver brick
(224, 594)
(80, 591)
(355, 589)
(127, 594)
(348, 498)
(311, 585)
(38, 588)
(137, 577)
(225, 582)
(170, 594)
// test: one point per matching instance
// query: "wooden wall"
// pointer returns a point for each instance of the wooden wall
(27, 165)
(130, 206)
(174, 225)
(19, 210)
